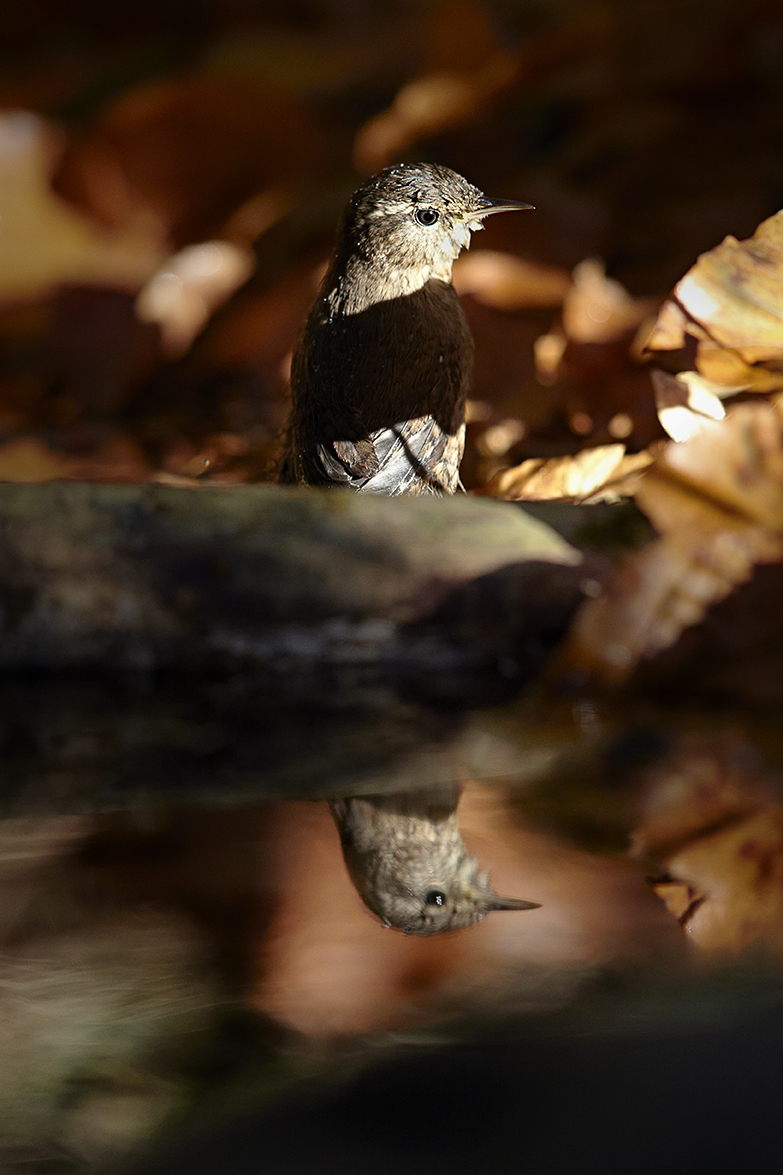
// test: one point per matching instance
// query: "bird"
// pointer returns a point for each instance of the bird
(409, 864)
(381, 373)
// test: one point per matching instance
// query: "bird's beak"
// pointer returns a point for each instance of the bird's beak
(495, 902)
(488, 206)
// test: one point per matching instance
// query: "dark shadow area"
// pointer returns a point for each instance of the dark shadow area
(501, 626)
(657, 1099)
(94, 743)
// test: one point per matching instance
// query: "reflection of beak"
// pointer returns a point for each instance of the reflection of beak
(489, 206)
(495, 902)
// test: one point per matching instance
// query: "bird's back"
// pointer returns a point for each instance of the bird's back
(379, 395)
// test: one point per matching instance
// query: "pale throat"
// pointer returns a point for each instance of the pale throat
(366, 283)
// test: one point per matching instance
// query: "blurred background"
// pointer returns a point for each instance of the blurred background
(171, 175)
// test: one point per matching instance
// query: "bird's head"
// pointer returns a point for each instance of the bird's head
(413, 219)
(427, 900)
(409, 863)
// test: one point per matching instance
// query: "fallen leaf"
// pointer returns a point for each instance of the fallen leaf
(731, 303)
(699, 786)
(712, 827)
(187, 154)
(685, 401)
(732, 470)
(429, 105)
(717, 500)
(592, 358)
(605, 473)
(509, 283)
(29, 459)
(44, 241)
(598, 309)
(464, 69)
(736, 292)
(498, 438)
(181, 296)
(736, 880)
(117, 459)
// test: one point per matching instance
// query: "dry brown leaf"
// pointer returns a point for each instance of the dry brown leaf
(598, 309)
(717, 499)
(712, 828)
(735, 877)
(736, 292)
(189, 286)
(593, 359)
(430, 105)
(548, 352)
(731, 472)
(44, 242)
(605, 473)
(509, 283)
(660, 591)
(464, 69)
(29, 459)
(671, 328)
(685, 402)
(701, 785)
(731, 303)
(187, 154)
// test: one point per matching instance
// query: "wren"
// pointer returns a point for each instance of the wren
(409, 863)
(381, 374)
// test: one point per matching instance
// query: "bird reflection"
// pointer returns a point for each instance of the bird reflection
(406, 857)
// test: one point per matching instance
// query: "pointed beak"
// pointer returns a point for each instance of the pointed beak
(489, 206)
(495, 902)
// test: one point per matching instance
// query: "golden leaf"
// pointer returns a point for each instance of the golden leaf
(598, 309)
(685, 402)
(736, 292)
(598, 474)
(44, 241)
(717, 500)
(509, 283)
(731, 303)
(736, 878)
(712, 827)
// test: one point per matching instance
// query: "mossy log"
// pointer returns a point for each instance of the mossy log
(159, 578)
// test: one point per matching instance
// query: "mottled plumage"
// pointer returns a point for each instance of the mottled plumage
(406, 857)
(380, 376)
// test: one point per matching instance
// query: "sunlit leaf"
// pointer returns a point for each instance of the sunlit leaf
(605, 473)
(731, 303)
(508, 282)
(464, 70)
(599, 309)
(685, 402)
(189, 286)
(717, 500)
(735, 877)
(711, 829)
(188, 153)
(43, 240)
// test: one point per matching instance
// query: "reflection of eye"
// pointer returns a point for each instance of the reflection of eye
(427, 217)
(434, 897)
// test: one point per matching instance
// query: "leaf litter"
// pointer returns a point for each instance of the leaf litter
(574, 411)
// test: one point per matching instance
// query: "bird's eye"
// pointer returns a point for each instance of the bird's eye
(427, 216)
(434, 897)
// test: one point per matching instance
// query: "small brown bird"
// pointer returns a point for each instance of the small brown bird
(406, 857)
(380, 376)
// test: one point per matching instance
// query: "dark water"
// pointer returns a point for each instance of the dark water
(191, 982)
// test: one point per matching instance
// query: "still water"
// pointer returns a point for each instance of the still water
(229, 911)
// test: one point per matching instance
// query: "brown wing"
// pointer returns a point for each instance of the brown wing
(379, 396)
